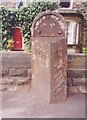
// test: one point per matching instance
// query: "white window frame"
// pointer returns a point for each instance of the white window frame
(73, 32)
(71, 5)
(77, 33)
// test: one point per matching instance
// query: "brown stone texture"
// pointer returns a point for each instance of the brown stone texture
(5, 71)
(18, 72)
(58, 71)
(75, 62)
(81, 89)
(73, 73)
(15, 59)
(3, 87)
(49, 57)
(52, 25)
(7, 82)
(49, 72)
(77, 67)
(77, 74)
(15, 69)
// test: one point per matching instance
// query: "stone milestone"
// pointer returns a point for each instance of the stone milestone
(49, 57)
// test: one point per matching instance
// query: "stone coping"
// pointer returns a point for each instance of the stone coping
(70, 12)
(3, 51)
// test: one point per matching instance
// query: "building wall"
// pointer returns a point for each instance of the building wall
(82, 7)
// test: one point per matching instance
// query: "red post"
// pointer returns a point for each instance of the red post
(17, 37)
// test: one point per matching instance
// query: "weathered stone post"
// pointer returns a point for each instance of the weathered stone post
(49, 57)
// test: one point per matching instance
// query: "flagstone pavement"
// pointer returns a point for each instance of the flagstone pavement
(21, 104)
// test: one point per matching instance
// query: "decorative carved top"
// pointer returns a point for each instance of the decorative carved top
(49, 24)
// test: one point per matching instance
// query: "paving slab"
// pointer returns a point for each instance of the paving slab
(21, 103)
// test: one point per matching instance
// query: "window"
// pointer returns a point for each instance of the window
(66, 4)
(73, 32)
(20, 3)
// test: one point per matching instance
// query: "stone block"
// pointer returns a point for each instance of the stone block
(7, 80)
(77, 61)
(1, 71)
(22, 80)
(49, 57)
(15, 80)
(80, 89)
(16, 59)
(23, 72)
(83, 89)
(73, 90)
(77, 81)
(50, 73)
(0, 80)
(29, 73)
(77, 73)
(3, 87)
(5, 71)
(76, 65)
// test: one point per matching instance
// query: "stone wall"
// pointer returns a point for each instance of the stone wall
(15, 69)
(77, 73)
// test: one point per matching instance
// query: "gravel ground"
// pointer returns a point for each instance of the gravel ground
(21, 104)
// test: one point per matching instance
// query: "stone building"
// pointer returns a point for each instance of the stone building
(75, 14)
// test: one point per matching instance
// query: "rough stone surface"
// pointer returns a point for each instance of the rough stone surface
(75, 61)
(29, 73)
(15, 69)
(5, 71)
(3, 87)
(76, 81)
(49, 57)
(22, 80)
(16, 80)
(0, 70)
(12, 83)
(22, 104)
(18, 59)
(77, 73)
(81, 89)
(18, 72)
(6, 80)
(73, 90)
(81, 73)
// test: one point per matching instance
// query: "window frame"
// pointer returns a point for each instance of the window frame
(70, 7)
(75, 32)
(18, 1)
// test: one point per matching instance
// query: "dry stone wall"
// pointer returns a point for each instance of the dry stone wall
(77, 73)
(21, 61)
(15, 69)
